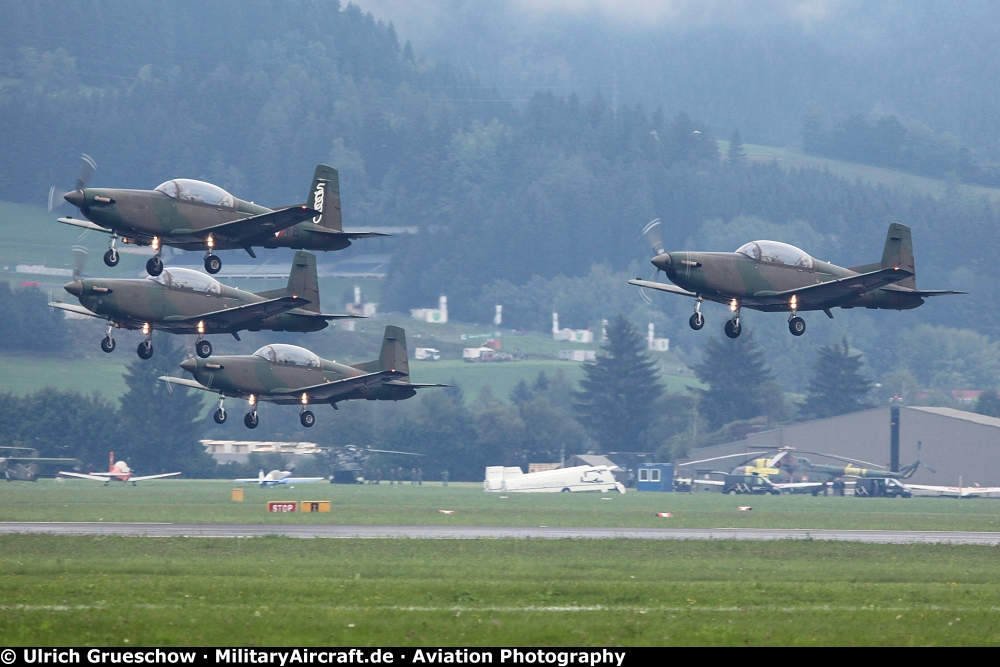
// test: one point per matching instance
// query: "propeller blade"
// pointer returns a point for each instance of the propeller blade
(87, 169)
(55, 198)
(79, 260)
(652, 233)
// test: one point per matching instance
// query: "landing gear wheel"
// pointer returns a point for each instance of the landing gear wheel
(154, 266)
(307, 418)
(220, 416)
(203, 348)
(251, 420)
(108, 344)
(145, 350)
(213, 264)
(697, 321)
(797, 326)
(733, 328)
(111, 258)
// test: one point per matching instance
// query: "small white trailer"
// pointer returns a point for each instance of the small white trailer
(580, 478)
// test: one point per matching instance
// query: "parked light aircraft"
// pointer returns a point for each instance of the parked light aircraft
(276, 478)
(193, 215)
(117, 472)
(775, 277)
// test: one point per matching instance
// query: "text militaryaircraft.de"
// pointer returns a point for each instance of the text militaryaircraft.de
(194, 215)
(292, 375)
(277, 478)
(183, 301)
(775, 277)
(117, 472)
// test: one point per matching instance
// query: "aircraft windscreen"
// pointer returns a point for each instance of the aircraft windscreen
(774, 252)
(186, 279)
(186, 189)
(289, 354)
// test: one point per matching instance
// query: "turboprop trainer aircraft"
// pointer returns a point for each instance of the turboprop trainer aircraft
(277, 478)
(291, 375)
(776, 277)
(117, 472)
(194, 215)
(184, 301)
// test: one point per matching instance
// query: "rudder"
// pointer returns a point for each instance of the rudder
(898, 253)
(393, 356)
(302, 280)
(324, 196)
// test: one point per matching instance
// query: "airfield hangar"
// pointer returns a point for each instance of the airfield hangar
(959, 446)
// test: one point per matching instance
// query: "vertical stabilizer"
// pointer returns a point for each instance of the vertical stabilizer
(302, 280)
(324, 196)
(393, 355)
(898, 252)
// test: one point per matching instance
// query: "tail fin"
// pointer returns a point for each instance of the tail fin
(302, 280)
(111, 462)
(324, 196)
(393, 356)
(898, 252)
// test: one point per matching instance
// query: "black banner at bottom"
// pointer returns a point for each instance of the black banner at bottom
(297, 657)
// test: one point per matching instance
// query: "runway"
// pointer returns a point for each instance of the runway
(495, 532)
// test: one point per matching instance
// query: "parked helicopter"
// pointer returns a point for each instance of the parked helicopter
(776, 277)
(194, 215)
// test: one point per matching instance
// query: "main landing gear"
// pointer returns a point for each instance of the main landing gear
(154, 265)
(203, 348)
(697, 320)
(111, 257)
(733, 327)
(796, 325)
(307, 418)
(251, 420)
(212, 263)
(145, 349)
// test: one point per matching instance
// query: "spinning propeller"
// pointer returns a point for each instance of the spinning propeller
(652, 233)
(87, 169)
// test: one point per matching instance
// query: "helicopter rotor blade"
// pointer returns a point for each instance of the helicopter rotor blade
(717, 458)
(846, 459)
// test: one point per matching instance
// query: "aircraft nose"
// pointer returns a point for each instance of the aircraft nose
(190, 365)
(75, 198)
(74, 287)
(662, 262)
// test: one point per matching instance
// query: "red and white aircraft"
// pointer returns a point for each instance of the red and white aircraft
(117, 472)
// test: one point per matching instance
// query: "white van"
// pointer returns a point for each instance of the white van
(580, 478)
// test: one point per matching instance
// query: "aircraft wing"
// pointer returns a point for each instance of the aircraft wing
(79, 310)
(302, 480)
(346, 233)
(931, 292)
(84, 224)
(81, 475)
(958, 491)
(193, 384)
(663, 287)
(830, 292)
(229, 317)
(139, 479)
(321, 393)
(54, 462)
(800, 485)
(247, 229)
(416, 385)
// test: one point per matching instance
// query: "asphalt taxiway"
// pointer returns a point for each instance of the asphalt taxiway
(495, 532)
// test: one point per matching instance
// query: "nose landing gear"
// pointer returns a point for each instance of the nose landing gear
(220, 412)
(111, 257)
(697, 320)
(108, 343)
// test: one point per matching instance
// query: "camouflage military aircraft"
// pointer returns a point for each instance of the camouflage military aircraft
(184, 301)
(291, 375)
(194, 215)
(776, 277)
(27, 467)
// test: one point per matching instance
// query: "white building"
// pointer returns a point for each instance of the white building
(437, 315)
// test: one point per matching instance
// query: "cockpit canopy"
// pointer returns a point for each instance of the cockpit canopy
(292, 355)
(773, 252)
(186, 189)
(187, 279)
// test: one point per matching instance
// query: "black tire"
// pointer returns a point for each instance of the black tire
(154, 266)
(733, 493)
(213, 264)
(220, 416)
(797, 326)
(696, 321)
(203, 348)
(251, 420)
(145, 350)
(108, 344)
(111, 257)
(307, 418)
(733, 328)
(566, 490)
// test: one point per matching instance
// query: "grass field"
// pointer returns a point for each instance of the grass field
(197, 501)
(279, 591)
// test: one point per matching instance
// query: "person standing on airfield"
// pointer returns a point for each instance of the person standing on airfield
(444, 478)
(413, 476)
(420, 476)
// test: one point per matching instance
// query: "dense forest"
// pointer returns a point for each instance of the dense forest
(536, 204)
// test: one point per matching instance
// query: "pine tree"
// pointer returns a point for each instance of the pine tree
(837, 386)
(740, 385)
(737, 156)
(159, 424)
(988, 403)
(619, 392)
